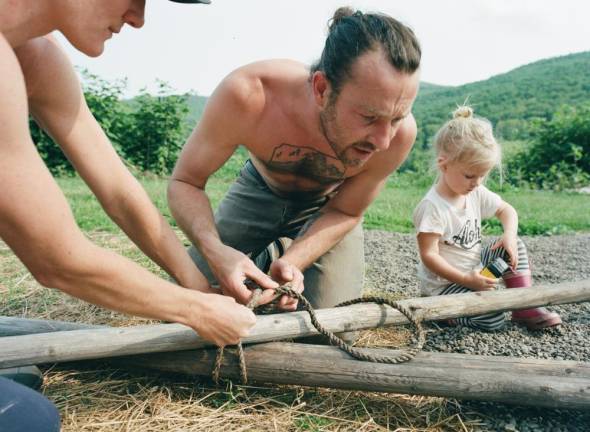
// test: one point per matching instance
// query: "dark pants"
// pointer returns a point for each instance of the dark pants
(25, 410)
(251, 216)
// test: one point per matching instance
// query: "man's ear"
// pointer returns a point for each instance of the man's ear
(321, 88)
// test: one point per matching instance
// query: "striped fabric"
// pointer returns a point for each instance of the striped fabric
(493, 321)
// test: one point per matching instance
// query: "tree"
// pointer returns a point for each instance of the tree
(156, 130)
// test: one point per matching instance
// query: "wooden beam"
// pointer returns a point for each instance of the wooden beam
(546, 383)
(114, 342)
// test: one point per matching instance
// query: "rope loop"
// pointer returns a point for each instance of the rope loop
(405, 356)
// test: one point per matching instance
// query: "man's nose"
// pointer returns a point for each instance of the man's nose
(135, 14)
(382, 134)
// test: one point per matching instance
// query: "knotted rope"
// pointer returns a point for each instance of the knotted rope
(286, 289)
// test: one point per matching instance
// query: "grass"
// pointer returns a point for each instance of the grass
(540, 212)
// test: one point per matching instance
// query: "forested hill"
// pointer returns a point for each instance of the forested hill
(512, 99)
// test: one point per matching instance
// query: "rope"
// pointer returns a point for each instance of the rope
(286, 289)
(252, 304)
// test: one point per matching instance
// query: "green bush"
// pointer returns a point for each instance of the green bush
(559, 154)
(156, 130)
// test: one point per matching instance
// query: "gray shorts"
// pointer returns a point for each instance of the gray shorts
(251, 216)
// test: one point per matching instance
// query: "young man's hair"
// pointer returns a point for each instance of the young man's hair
(351, 34)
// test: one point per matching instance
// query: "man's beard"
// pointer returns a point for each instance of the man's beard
(342, 151)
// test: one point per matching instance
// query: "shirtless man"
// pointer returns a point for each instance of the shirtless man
(35, 220)
(321, 142)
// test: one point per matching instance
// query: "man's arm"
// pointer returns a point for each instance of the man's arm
(37, 224)
(58, 105)
(345, 210)
(230, 113)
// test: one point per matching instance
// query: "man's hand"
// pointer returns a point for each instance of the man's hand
(221, 320)
(231, 268)
(283, 271)
(508, 242)
(477, 282)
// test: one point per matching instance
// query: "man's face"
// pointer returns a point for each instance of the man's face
(369, 109)
(90, 23)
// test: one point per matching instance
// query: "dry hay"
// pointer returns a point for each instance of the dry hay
(102, 400)
(96, 397)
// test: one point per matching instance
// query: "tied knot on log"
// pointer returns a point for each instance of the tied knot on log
(286, 289)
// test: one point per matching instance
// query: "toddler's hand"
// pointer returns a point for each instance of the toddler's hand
(510, 245)
(477, 282)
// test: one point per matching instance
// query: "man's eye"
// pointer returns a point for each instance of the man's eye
(369, 119)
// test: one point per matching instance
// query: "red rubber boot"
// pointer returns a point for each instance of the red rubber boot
(533, 319)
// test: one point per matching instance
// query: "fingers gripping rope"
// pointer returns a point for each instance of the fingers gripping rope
(286, 289)
(219, 359)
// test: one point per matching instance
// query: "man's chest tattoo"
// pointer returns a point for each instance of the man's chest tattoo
(306, 162)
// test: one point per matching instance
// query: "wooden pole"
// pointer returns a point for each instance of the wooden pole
(115, 342)
(547, 383)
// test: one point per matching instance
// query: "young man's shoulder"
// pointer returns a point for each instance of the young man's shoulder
(262, 77)
(242, 90)
(253, 89)
(273, 69)
(48, 73)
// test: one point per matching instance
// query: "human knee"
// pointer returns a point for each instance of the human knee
(48, 419)
(23, 409)
(523, 257)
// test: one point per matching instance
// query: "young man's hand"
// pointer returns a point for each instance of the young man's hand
(221, 320)
(232, 268)
(282, 271)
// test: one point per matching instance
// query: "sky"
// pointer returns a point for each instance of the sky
(192, 47)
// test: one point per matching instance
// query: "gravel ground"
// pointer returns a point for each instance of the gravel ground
(391, 265)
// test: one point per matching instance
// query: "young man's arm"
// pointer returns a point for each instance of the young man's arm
(230, 111)
(57, 103)
(37, 224)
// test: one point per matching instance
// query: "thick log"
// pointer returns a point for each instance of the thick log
(115, 342)
(547, 383)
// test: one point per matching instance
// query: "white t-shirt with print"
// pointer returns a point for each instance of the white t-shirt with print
(459, 229)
